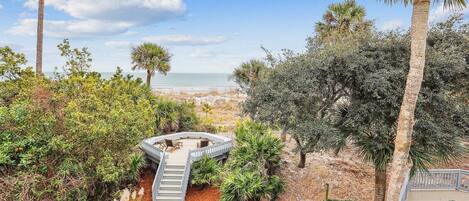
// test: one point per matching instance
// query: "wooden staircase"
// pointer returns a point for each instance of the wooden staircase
(173, 184)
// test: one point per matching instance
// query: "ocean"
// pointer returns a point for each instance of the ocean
(182, 81)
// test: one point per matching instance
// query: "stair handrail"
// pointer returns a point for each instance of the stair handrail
(158, 175)
(187, 173)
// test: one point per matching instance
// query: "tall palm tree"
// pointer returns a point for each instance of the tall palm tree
(40, 35)
(419, 27)
(343, 18)
(152, 58)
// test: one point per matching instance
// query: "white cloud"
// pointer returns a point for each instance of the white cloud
(391, 25)
(440, 13)
(101, 17)
(1, 6)
(134, 11)
(119, 44)
(184, 40)
(72, 28)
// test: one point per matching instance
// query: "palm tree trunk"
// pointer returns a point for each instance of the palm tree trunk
(380, 184)
(405, 122)
(148, 78)
(302, 160)
(40, 35)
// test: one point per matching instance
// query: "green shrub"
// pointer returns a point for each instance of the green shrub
(257, 148)
(252, 164)
(72, 138)
(206, 171)
(172, 116)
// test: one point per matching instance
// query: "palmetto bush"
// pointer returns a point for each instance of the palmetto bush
(206, 171)
(252, 164)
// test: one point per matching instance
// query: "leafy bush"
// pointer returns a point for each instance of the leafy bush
(252, 164)
(205, 171)
(72, 138)
(257, 148)
(172, 116)
(250, 186)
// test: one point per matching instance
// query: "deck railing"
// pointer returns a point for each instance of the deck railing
(211, 151)
(187, 173)
(437, 179)
(182, 135)
(158, 176)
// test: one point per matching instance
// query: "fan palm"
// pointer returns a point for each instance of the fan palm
(405, 122)
(248, 73)
(343, 18)
(152, 58)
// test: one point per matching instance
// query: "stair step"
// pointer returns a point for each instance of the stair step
(169, 193)
(168, 198)
(171, 181)
(173, 171)
(175, 166)
(170, 187)
(172, 176)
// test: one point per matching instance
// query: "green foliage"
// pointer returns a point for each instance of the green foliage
(377, 88)
(252, 164)
(250, 186)
(257, 149)
(152, 58)
(299, 96)
(207, 109)
(172, 116)
(248, 73)
(72, 138)
(205, 171)
(341, 19)
(77, 60)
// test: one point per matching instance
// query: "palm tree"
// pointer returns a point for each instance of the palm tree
(248, 73)
(152, 58)
(40, 35)
(419, 27)
(343, 18)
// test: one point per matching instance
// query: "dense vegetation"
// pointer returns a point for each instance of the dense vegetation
(351, 91)
(250, 171)
(75, 137)
(205, 172)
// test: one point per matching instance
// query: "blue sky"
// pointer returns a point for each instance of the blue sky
(204, 36)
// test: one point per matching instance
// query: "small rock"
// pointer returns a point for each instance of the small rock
(141, 192)
(125, 196)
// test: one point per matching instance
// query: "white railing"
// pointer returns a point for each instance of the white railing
(437, 179)
(158, 176)
(221, 145)
(463, 183)
(187, 173)
(211, 151)
(151, 150)
(182, 135)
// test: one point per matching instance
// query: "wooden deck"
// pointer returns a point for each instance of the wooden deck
(174, 164)
(434, 195)
(179, 156)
